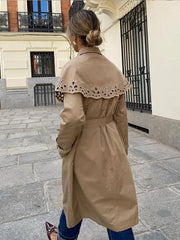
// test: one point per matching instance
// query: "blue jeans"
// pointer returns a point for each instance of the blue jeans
(65, 233)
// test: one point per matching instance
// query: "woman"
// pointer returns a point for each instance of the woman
(93, 139)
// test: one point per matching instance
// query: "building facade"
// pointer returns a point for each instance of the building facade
(142, 39)
(33, 49)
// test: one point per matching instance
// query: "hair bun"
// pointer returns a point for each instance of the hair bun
(93, 38)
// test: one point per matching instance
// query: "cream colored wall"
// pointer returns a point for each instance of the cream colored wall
(22, 5)
(16, 64)
(1, 63)
(56, 6)
(3, 5)
(164, 49)
(112, 44)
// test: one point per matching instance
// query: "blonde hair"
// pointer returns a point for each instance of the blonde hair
(86, 25)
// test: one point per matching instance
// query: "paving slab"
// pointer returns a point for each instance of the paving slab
(155, 152)
(48, 170)
(172, 164)
(16, 175)
(24, 149)
(152, 236)
(30, 228)
(141, 140)
(140, 228)
(28, 141)
(92, 231)
(52, 146)
(53, 194)
(31, 157)
(159, 208)
(2, 137)
(38, 124)
(12, 121)
(134, 133)
(3, 152)
(133, 158)
(139, 189)
(13, 126)
(31, 120)
(153, 176)
(8, 160)
(44, 138)
(49, 130)
(176, 188)
(21, 202)
(22, 134)
(172, 231)
(15, 130)
(4, 122)
(10, 143)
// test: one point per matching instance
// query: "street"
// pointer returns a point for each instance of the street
(30, 174)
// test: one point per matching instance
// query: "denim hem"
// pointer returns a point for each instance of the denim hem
(61, 237)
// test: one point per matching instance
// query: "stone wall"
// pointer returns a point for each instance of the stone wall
(22, 97)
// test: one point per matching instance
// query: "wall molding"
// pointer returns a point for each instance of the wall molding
(114, 9)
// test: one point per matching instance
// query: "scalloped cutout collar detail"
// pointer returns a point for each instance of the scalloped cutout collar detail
(92, 75)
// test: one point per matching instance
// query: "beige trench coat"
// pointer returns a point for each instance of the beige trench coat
(93, 142)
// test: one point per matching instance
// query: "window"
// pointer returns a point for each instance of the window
(39, 6)
(39, 18)
(42, 64)
(135, 58)
(40, 15)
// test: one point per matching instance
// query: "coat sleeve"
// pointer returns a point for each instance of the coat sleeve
(73, 118)
(120, 118)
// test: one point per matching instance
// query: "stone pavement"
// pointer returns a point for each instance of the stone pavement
(30, 180)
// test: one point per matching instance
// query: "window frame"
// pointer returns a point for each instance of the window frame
(41, 53)
(30, 6)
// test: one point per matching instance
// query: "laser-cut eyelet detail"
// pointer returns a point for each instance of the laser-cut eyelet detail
(106, 91)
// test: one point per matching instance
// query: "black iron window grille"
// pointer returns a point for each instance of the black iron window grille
(42, 64)
(135, 58)
(44, 94)
(4, 21)
(40, 22)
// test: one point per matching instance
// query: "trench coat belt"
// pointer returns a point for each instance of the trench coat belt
(97, 122)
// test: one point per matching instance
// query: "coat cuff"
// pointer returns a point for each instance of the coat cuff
(62, 152)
